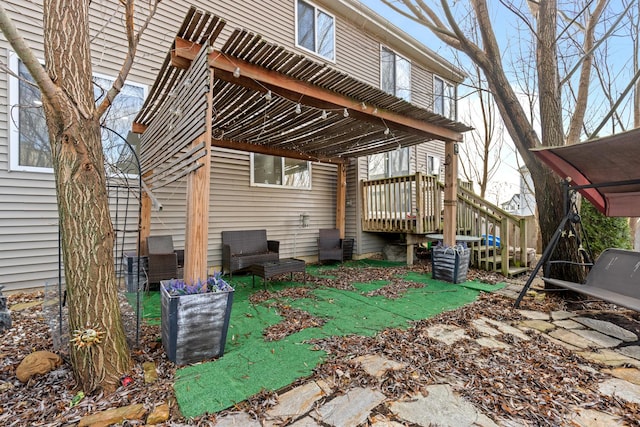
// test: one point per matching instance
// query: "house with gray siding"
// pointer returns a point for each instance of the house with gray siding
(248, 190)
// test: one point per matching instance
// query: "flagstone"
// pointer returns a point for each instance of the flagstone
(441, 405)
(492, 343)
(377, 366)
(448, 334)
(607, 357)
(568, 324)
(572, 338)
(534, 315)
(607, 328)
(237, 419)
(306, 422)
(538, 325)
(599, 338)
(621, 389)
(563, 344)
(482, 327)
(628, 374)
(350, 409)
(631, 351)
(297, 401)
(585, 417)
(507, 329)
(562, 315)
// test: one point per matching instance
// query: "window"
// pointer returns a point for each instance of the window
(395, 74)
(433, 165)
(30, 148)
(444, 99)
(389, 164)
(280, 171)
(315, 30)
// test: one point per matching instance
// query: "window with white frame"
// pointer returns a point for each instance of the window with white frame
(389, 164)
(433, 165)
(315, 30)
(29, 139)
(444, 98)
(395, 74)
(269, 170)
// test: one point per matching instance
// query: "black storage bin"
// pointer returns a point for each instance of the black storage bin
(450, 264)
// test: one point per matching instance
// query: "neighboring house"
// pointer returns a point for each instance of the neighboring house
(248, 190)
(524, 202)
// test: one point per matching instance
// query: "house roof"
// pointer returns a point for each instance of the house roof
(258, 88)
(605, 171)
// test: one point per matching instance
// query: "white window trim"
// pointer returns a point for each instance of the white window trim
(453, 101)
(252, 182)
(14, 121)
(396, 54)
(14, 116)
(314, 53)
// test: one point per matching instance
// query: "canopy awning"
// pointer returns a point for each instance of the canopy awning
(606, 171)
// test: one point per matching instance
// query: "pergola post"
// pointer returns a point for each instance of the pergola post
(196, 245)
(341, 198)
(450, 193)
(145, 221)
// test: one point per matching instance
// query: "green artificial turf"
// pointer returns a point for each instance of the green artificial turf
(250, 364)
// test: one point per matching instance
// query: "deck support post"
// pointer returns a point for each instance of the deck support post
(450, 193)
(341, 198)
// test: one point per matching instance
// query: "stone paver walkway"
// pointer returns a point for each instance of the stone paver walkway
(312, 404)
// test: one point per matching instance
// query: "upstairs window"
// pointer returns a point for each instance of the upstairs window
(389, 164)
(395, 74)
(29, 137)
(315, 30)
(444, 98)
(280, 171)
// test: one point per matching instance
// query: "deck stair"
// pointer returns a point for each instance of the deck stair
(412, 205)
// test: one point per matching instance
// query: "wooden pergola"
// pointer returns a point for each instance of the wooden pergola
(255, 96)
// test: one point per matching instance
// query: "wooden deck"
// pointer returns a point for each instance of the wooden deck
(413, 205)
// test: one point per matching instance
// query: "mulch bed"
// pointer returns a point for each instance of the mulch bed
(534, 383)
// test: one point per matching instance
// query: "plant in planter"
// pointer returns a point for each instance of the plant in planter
(195, 318)
(450, 263)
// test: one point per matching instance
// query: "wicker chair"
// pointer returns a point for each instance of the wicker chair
(163, 259)
(331, 247)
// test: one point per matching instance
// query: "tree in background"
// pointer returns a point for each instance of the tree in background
(73, 121)
(480, 155)
(603, 232)
(562, 45)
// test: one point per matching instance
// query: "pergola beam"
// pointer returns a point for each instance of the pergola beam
(279, 152)
(259, 78)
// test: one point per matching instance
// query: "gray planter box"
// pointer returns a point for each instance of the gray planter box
(194, 327)
(450, 264)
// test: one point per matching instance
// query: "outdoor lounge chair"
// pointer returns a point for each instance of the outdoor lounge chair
(163, 259)
(331, 247)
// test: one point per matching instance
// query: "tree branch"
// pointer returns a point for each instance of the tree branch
(133, 40)
(47, 88)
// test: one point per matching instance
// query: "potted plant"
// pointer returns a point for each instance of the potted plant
(195, 318)
(450, 263)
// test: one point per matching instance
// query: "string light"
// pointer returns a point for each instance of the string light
(364, 106)
(236, 72)
(324, 114)
(386, 131)
(187, 83)
(375, 110)
(298, 108)
(210, 49)
(267, 96)
(345, 113)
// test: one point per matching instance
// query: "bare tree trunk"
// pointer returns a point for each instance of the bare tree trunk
(83, 208)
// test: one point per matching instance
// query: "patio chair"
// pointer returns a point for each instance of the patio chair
(163, 259)
(331, 247)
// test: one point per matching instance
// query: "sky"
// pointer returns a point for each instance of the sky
(507, 179)
(506, 182)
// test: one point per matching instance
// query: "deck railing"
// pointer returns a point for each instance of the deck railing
(413, 204)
